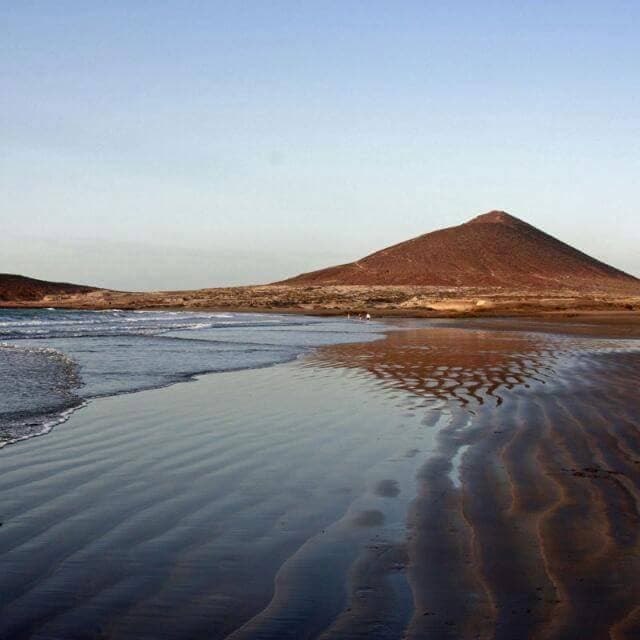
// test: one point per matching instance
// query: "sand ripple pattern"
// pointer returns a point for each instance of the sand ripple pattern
(527, 523)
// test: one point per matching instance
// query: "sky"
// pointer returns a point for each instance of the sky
(168, 145)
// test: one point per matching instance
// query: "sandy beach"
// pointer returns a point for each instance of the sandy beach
(320, 321)
(444, 482)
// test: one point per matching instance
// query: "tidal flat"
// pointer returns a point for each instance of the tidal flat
(448, 480)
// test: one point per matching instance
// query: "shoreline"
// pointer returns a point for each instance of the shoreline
(379, 301)
(566, 313)
(82, 397)
(605, 325)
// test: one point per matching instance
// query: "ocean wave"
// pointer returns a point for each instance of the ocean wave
(46, 425)
(38, 385)
(53, 362)
(45, 351)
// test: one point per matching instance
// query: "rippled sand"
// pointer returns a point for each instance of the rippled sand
(527, 519)
(441, 483)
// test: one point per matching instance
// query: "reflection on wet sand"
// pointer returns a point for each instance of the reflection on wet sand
(449, 365)
(527, 520)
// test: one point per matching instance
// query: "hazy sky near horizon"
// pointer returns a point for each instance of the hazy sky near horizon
(154, 144)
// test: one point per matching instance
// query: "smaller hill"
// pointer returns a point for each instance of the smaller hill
(19, 288)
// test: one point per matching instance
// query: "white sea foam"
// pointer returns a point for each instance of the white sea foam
(46, 426)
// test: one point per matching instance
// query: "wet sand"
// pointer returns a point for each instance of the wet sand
(441, 483)
(527, 520)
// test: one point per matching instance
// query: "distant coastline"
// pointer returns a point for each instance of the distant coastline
(400, 301)
(493, 265)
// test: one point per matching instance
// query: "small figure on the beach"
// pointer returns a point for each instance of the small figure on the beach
(367, 317)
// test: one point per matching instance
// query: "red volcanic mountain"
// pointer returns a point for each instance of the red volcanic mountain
(17, 288)
(491, 250)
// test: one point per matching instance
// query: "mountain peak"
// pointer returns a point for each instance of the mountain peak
(494, 217)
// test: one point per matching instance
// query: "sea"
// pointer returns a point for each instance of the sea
(52, 362)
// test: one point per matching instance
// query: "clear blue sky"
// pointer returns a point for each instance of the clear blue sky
(185, 144)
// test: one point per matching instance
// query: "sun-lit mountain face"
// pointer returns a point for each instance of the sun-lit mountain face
(495, 249)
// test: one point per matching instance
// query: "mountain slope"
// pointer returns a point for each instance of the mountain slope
(491, 250)
(14, 287)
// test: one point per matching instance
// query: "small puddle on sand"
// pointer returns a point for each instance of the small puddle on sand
(456, 466)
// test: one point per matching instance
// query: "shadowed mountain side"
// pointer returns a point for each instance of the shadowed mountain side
(491, 250)
(14, 287)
